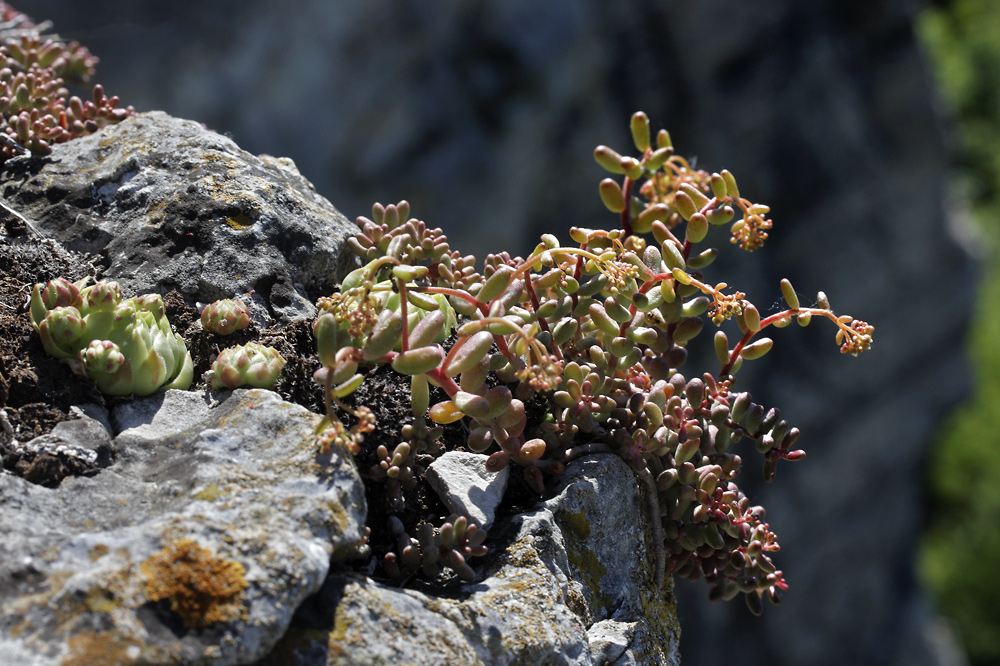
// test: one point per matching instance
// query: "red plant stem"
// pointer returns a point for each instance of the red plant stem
(626, 215)
(735, 354)
(405, 343)
(544, 325)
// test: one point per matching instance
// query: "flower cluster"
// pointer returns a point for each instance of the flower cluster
(35, 107)
(126, 346)
(597, 333)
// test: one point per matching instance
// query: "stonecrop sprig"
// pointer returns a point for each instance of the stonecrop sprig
(598, 332)
(36, 109)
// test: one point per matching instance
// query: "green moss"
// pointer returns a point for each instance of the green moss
(576, 528)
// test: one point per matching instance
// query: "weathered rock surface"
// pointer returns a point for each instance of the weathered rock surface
(170, 205)
(196, 546)
(573, 586)
(461, 481)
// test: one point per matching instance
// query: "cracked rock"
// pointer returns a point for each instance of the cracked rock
(195, 546)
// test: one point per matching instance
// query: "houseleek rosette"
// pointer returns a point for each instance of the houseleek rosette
(125, 346)
(251, 364)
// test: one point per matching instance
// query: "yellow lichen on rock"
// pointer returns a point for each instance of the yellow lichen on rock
(202, 589)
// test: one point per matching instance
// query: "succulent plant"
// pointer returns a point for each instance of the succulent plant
(36, 109)
(595, 332)
(225, 317)
(251, 364)
(125, 346)
(449, 546)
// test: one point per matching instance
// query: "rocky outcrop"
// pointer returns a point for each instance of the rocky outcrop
(219, 520)
(484, 116)
(206, 528)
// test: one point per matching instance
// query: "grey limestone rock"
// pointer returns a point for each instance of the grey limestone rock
(217, 519)
(571, 585)
(461, 481)
(172, 205)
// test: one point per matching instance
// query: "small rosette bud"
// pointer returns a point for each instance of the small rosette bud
(251, 364)
(225, 317)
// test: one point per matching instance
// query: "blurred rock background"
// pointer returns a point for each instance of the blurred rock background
(484, 115)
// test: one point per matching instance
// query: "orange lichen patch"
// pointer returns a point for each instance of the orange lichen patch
(202, 588)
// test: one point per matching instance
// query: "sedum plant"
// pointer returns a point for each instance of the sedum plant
(36, 109)
(583, 347)
(125, 346)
